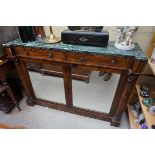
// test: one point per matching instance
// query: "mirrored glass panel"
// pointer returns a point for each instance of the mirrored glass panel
(47, 81)
(94, 93)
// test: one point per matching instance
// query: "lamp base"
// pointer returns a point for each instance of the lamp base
(51, 39)
(123, 46)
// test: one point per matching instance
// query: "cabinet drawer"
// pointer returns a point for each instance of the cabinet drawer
(40, 53)
(53, 67)
(99, 60)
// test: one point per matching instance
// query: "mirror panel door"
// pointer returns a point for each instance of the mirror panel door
(47, 80)
(95, 94)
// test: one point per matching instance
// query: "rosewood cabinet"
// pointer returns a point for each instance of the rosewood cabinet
(126, 63)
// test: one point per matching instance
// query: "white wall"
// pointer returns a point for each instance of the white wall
(143, 35)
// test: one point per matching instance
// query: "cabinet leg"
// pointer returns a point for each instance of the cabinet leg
(68, 85)
(115, 122)
(30, 101)
(18, 107)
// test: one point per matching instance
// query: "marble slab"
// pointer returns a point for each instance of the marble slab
(110, 50)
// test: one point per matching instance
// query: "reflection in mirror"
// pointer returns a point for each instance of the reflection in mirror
(47, 81)
(97, 94)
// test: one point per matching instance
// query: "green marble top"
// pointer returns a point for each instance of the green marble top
(110, 50)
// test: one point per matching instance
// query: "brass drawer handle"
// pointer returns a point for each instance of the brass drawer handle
(33, 50)
(50, 55)
(1, 61)
(82, 59)
(113, 62)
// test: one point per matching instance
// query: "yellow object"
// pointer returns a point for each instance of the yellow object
(151, 47)
(51, 39)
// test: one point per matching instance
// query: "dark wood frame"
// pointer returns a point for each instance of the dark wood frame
(82, 75)
(126, 84)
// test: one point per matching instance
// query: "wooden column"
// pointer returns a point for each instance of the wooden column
(68, 84)
(128, 86)
(119, 91)
(122, 99)
(28, 90)
(30, 101)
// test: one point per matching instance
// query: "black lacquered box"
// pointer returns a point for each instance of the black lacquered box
(85, 38)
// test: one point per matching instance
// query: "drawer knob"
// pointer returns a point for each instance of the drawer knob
(50, 55)
(113, 62)
(82, 59)
(33, 50)
(26, 53)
